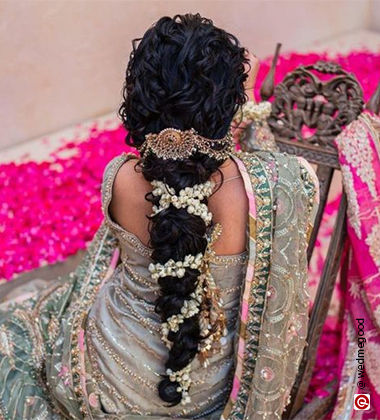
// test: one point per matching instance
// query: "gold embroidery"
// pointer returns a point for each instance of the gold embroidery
(53, 329)
(353, 207)
(200, 405)
(125, 331)
(125, 351)
(87, 295)
(6, 344)
(213, 369)
(48, 291)
(229, 259)
(32, 324)
(92, 328)
(148, 306)
(373, 241)
(357, 150)
(143, 321)
(153, 287)
(132, 239)
(231, 290)
(100, 379)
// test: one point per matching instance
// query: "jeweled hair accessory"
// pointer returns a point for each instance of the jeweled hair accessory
(172, 143)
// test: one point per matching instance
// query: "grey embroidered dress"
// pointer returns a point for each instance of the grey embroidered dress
(124, 337)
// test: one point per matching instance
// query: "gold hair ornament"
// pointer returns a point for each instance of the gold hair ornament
(172, 143)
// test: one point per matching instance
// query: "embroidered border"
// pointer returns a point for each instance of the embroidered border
(259, 263)
(101, 267)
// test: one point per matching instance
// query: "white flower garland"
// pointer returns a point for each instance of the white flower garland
(183, 378)
(190, 308)
(205, 298)
(251, 111)
(189, 198)
(175, 268)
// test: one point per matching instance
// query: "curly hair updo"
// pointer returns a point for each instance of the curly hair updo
(184, 73)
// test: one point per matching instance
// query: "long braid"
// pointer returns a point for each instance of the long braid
(174, 234)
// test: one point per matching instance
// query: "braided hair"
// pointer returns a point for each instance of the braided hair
(185, 73)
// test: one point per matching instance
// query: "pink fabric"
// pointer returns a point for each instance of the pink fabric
(112, 266)
(359, 156)
(247, 282)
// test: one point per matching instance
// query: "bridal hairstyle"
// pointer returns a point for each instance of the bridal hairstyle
(185, 73)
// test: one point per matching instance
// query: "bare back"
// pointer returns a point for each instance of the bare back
(229, 205)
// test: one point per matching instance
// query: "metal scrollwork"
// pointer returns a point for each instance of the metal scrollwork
(314, 109)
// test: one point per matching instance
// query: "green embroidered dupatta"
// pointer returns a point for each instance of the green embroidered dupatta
(273, 309)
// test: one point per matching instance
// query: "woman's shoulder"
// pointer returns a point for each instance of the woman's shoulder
(123, 195)
(110, 173)
(115, 164)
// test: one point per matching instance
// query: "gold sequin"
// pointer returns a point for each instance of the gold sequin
(93, 329)
(143, 321)
(125, 331)
(153, 287)
(99, 377)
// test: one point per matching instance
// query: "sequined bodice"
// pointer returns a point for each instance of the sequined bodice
(126, 351)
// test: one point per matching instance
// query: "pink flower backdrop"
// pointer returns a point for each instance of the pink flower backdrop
(50, 210)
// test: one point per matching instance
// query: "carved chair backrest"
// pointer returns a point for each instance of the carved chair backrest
(310, 108)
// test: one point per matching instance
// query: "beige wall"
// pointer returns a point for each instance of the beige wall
(375, 15)
(63, 61)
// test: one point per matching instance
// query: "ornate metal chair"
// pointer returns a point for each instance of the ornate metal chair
(310, 108)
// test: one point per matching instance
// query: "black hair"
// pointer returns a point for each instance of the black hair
(184, 73)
